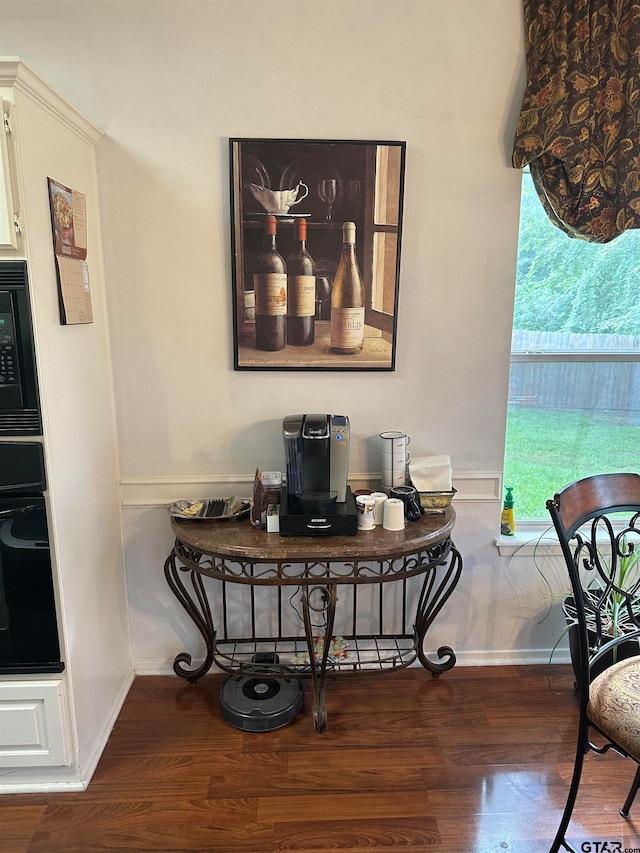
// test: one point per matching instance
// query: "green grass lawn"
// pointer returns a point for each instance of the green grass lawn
(548, 448)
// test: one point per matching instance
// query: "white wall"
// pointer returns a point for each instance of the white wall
(169, 81)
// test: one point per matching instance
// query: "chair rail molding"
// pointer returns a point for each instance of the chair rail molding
(474, 486)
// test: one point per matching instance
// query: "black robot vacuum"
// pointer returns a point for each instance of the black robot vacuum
(260, 703)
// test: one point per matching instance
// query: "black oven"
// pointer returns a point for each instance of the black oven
(28, 626)
(19, 403)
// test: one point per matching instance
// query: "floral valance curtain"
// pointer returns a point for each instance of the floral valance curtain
(579, 127)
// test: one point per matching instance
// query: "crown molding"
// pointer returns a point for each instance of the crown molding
(15, 74)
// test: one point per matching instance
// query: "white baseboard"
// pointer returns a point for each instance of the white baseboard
(157, 667)
(37, 787)
(511, 657)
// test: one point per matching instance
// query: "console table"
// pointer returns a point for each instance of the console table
(359, 578)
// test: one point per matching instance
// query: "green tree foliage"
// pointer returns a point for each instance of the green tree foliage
(569, 285)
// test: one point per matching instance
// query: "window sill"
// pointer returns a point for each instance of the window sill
(530, 538)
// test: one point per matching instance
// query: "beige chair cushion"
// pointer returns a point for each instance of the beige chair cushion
(614, 704)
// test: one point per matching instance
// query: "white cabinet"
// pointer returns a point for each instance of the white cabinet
(34, 730)
(9, 207)
(53, 728)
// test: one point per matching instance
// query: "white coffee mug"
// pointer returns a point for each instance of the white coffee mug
(401, 468)
(398, 457)
(393, 474)
(378, 512)
(386, 487)
(394, 440)
(393, 517)
(365, 504)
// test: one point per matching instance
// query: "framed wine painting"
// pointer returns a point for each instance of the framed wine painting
(316, 232)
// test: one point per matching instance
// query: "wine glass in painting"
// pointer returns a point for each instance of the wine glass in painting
(323, 292)
(328, 192)
(354, 191)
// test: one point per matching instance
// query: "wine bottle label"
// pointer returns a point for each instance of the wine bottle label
(301, 296)
(271, 293)
(347, 327)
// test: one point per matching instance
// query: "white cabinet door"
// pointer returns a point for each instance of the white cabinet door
(8, 191)
(33, 730)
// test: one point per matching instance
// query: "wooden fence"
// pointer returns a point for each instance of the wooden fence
(609, 386)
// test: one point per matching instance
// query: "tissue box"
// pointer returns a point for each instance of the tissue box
(431, 473)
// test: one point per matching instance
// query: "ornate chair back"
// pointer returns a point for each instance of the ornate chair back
(597, 521)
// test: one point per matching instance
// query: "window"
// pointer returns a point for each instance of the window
(574, 390)
(380, 262)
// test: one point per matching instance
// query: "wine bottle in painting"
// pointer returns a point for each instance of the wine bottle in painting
(301, 290)
(270, 287)
(249, 297)
(347, 298)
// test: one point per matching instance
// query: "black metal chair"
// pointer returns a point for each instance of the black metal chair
(597, 521)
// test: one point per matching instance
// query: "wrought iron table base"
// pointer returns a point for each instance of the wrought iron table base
(440, 564)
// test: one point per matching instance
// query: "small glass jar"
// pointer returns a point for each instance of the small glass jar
(272, 483)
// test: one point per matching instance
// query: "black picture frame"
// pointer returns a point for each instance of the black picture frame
(329, 182)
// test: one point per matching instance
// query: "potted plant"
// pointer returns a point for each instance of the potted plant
(601, 598)
(615, 620)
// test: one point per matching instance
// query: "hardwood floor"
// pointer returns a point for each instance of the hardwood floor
(478, 760)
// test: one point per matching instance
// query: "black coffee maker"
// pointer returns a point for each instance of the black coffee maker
(316, 499)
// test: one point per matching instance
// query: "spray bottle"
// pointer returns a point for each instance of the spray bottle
(507, 521)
